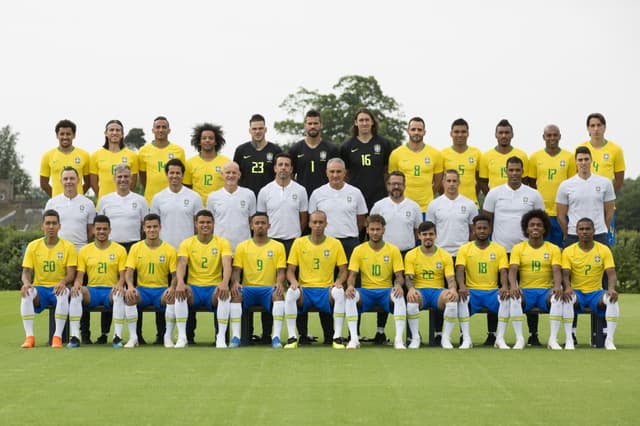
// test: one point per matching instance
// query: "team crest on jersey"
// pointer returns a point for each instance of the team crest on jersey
(323, 155)
(76, 160)
(124, 160)
(438, 265)
(546, 256)
(407, 214)
(463, 209)
(598, 189)
(270, 253)
(112, 257)
(377, 148)
(385, 259)
(326, 253)
(294, 196)
(134, 205)
(170, 156)
(269, 156)
(60, 255)
(471, 160)
(605, 156)
(186, 203)
(218, 169)
(563, 163)
(162, 259)
(597, 259)
(427, 160)
(349, 199)
(214, 251)
(525, 200)
(242, 204)
(493, 256)
(81, 208)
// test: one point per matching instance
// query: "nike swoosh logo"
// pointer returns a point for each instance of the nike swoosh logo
(246, 156)
(354, 149)
(300, 155)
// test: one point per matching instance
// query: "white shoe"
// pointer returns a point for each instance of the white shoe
(132, 343)
(519, 344)
(608, 345)
(466, 344)
(415, 342)
(168, 341)
(568, 346)
(220, 344)
(500, 344)
(554, 346)
(353, 344)
(446, 343)
(399, 344)
(181, 343)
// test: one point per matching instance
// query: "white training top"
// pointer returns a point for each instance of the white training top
(586, 198)
(75, 214)
(125, 214)
(283, 206)
(177, 211)
(507, 207)
(452, 219)
(402, 219)
(341, 207)
(232, 212)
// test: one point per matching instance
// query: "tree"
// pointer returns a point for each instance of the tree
(338, 109)
(10, 163)
(135, 139)
(627, 205)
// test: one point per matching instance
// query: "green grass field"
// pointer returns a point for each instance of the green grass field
(318, 385)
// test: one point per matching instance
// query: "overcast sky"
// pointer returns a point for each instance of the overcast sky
(194, 61)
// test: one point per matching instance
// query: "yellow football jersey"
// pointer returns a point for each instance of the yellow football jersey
(482, 266)
(102, 266)
(54, 161)
(587, 267)
(428, 271)
(467, 164)
(535, 265)
(376, 268)
(204, 177)
(204, 260)
(151, 160)
(418, 168)
(493, 165)
(260, 264)
(549, 172)
(152, 264)
(607, 160)
(103, 162)
(49, 265)
(316, 262)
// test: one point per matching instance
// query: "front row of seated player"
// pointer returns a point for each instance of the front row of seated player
(538, 276)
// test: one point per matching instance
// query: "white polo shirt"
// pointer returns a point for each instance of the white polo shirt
(283, 206)
(75, 214)
(452, 219)
(507, 207)
(177, 211)
(125, 214)
(586, 198)
(232, 211)
(341, 207)
(402, 219)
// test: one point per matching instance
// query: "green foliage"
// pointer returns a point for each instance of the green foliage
(626, 253)
(338, 110)
(10, 163)
(627, 205)
(134, 139)
(11, 246)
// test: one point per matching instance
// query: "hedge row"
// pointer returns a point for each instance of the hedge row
(626, 253)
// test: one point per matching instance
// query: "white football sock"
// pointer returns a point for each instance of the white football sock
(235, 315)
(222, 315)
(338, 311)
(351, 312)
(567, 318)
(28, 312)
(413, 315)
(515, 312)
(463, 318)
(503, 317)
(75, 312)
(182, 312)
(278, 316)
(400, 316)
(170, 318)
(291, 311)
(61, 312)
(611, 314)
(131, 314)
(555, 318)
(450, 317)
